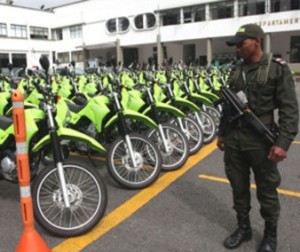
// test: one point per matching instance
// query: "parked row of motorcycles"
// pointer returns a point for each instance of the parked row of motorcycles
(142, 121)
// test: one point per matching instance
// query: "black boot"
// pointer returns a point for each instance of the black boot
(241, 234)
(269, 241)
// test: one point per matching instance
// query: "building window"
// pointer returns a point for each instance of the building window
(19, 60)
(150, 20)
(170, 17)
(57, 34)
(138, 22)
(117, 25)
(243, 8)
(3, 30)
(144, 21)
(4, 60)
(199, 13)
(295, 49)
(251, 7)
(76, 31)
(221, 10)
(18, 31)
(38, 33)
(187, 15)
(77, 56)
(63, 57)
(111, 25)
(295, 4)
(284, 5)
(123, 24)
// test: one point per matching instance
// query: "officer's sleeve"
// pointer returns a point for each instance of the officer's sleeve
(221, 131)
(224, 114)
(288, 110)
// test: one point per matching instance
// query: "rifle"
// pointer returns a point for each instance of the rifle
(238, 102)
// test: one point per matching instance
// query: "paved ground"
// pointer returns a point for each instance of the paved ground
(185, 210)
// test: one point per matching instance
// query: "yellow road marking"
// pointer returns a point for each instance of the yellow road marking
(223, 180)
(132, 205)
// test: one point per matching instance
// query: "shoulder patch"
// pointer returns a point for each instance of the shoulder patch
(280, 61)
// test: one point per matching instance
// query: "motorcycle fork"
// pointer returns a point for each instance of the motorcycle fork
(58, 157)
(163, 138)
(160, 128)
(123, 130)
(181, 126)
(198, 119)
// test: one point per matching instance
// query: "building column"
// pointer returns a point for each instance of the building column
(119, 52)
(209, 50)
(207, 12)
(160, 56)
(267, 42)
(85, 56)
(235, 8)
(268, 6)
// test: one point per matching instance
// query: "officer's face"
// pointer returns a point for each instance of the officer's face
(248, 48)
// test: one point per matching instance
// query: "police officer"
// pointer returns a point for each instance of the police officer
(269, 86)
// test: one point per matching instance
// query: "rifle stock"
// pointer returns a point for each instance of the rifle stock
(243, 110)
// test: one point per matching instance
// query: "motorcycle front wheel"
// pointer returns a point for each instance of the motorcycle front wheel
(177, 145)
(87, 195)
(207, 125)
(147, 158)
(192, 131)
(214, 114)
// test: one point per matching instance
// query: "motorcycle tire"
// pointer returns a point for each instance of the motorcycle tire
(177, 143)
(207, 125)
(88, 199)
(214, 114)
(193, 133)
(147, 157)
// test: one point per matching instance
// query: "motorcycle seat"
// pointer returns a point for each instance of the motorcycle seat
(5, 122)
(75, 107)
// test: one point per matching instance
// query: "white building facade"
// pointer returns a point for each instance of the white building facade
(94, 31)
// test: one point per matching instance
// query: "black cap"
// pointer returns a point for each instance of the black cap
(244, 32)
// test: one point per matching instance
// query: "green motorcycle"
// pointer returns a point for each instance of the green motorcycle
(69, 198)
(170, 140)
(133, 160)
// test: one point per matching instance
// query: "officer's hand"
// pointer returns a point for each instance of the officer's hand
(277, 154)
(220, 143)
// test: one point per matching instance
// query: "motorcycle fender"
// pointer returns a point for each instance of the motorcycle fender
(165, 107)
(4, 134)
(70, 134)
(132, 115)
(213, 97)
(187, 104)
(26, 105)
(202, 99)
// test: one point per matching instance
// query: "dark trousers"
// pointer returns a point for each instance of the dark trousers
(237, 167)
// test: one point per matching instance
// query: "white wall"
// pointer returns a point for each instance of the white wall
(94, 13)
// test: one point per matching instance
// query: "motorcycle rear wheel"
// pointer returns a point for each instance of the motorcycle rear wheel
(87, 194)
(177, 143)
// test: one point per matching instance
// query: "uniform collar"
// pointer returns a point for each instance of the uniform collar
(254, 66)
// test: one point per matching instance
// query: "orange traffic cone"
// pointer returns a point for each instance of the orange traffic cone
(30, 240)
